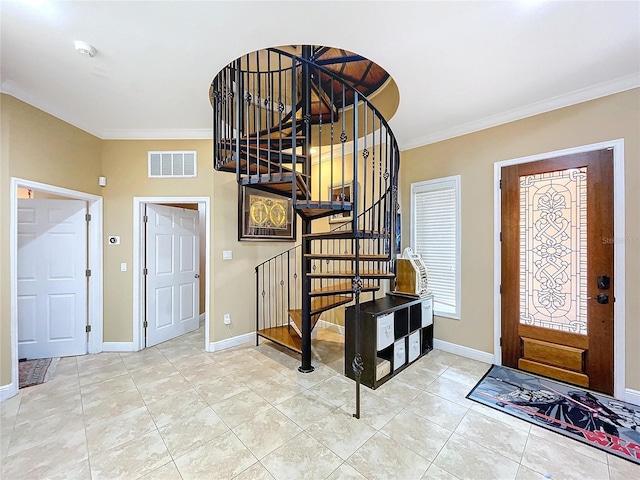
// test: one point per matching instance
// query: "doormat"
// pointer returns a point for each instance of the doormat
(35, 372)
(597, 420)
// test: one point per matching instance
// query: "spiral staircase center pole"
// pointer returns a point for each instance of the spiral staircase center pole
(306, 366)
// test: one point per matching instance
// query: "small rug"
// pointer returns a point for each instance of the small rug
(35, 372)
(597, 420)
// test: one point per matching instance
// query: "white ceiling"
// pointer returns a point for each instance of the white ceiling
(459, 66)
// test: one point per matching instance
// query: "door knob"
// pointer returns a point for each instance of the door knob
(602, 298)
(197, 275)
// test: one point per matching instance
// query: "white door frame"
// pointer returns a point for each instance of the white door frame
(95, 292)
(618, 251)
(138, 249)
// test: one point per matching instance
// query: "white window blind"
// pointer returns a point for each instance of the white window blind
(436, 237)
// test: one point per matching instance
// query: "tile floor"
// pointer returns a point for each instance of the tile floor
(175, 412)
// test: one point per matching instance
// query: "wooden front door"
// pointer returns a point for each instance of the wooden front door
(557, 268)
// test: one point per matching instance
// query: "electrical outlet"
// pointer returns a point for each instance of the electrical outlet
(227, 318)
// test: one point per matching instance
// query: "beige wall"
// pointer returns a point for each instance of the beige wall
(473, 156)
(38, 147)
(232, 281)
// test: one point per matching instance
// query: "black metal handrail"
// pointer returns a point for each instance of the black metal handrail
(269, 108)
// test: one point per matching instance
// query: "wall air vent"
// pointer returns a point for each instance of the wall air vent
(173, 164)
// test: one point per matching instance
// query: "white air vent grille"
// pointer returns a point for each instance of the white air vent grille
(172, 164)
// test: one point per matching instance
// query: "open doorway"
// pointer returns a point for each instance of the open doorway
(170, 268)
(57, 206)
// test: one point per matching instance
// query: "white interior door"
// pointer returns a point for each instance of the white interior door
(172, 280)
(52, 282)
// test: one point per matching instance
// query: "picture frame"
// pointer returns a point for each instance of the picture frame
(336, 192)
(264, 216)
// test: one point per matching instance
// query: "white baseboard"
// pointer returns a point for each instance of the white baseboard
(8, 391)
(232, 342)
(331, 326)
(118, 347)
(463, 351)
(632, 396)
(202, 317)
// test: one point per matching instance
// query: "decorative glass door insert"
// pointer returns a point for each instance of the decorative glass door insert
(553, 250)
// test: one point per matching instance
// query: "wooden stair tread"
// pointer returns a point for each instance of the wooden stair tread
(278, 184)
(339, 233)
(336, 206)
(283, 335)
(322, 304)
(274, 140)
(343, 287)
(313, 209)
(296, 318)
(269, 154)
(264, 167)
(351, 273)
(365, 257)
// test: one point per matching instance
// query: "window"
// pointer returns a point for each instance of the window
(435, 235)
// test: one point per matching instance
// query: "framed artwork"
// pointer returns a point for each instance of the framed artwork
(338, 193)
(265, 216)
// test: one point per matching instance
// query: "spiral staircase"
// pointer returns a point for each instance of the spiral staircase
(296, 127)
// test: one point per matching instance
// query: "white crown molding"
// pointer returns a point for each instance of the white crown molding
(151, 134)
(593, 92)
(573, 98)
(16, 92)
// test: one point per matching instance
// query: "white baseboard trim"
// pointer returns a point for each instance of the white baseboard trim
(202, 317)
(118, 347)
(463, 351)
(8, 391)
(232, 342)
(632, 396)
(331, 326)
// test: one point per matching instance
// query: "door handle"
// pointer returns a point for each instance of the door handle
(601, 298)
(197, 275)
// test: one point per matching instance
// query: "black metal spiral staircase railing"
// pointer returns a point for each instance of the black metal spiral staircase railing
(270, 108)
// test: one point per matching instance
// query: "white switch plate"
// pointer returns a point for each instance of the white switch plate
(227, 318)
(227, 255)
(123, 267)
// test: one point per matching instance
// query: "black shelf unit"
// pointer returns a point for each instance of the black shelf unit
(408, 323)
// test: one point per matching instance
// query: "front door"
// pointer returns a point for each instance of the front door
(557, 268)
(52, 281)
(172, 266)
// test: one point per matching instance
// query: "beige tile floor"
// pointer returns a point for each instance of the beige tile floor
(175, 412)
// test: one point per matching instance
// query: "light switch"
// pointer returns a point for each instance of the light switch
(123, 267)
(227, 255)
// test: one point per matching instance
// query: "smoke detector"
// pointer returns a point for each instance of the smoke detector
(85, 49)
